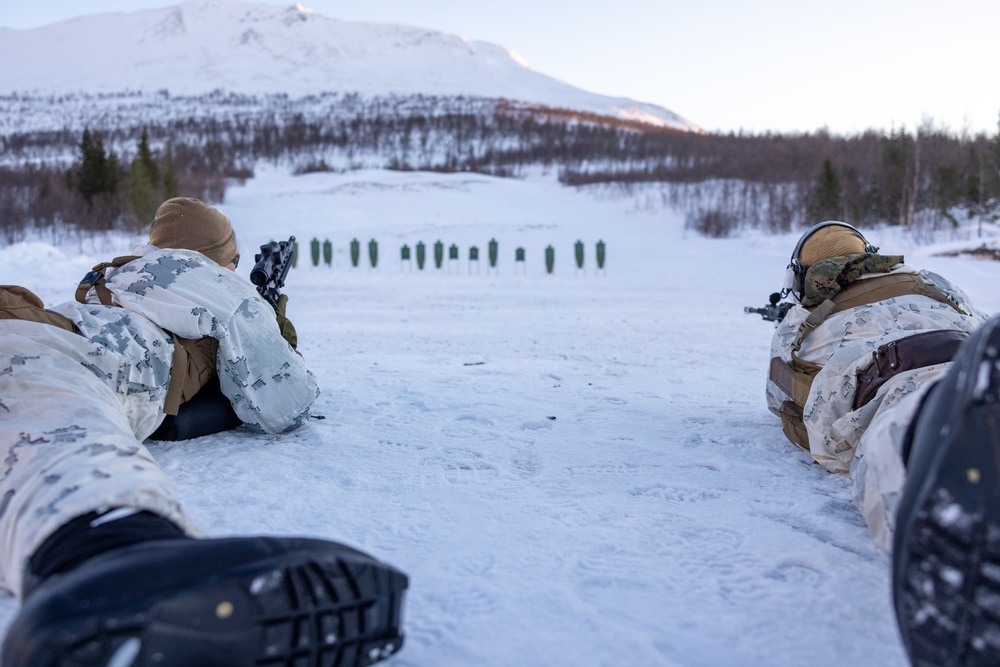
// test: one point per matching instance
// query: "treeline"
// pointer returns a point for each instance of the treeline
(778, 182)
(103, 191)
(111, 175)
(105, 177)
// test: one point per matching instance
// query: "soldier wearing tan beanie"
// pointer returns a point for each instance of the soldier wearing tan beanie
(93, 537)
(190, 224)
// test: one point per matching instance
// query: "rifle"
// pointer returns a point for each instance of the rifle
(273, 262)
(773, 312)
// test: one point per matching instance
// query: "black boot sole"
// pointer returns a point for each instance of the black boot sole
(289, 603)
(946, 578)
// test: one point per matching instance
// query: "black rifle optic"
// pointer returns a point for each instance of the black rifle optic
(773, 312)
(273, 262)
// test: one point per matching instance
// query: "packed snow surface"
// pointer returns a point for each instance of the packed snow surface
(573, 469)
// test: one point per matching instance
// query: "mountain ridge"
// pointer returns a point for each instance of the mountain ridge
(203, 45)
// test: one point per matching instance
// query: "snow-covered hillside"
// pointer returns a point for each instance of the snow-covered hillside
(204, 45)
(574, 469)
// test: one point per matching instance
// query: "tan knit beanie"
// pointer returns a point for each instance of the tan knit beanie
(832, 241)
(191, 224)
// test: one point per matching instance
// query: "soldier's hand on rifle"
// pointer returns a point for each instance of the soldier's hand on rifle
(286, 326)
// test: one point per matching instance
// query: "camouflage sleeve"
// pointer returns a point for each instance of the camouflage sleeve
(185, 293)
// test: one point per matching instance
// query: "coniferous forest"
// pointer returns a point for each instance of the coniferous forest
(112, 172)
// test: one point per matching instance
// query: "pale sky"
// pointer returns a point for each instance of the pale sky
(780, 65)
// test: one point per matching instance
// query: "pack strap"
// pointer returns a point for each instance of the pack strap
(880, 288)
(172, 403)
(872, 290)
(97, 277)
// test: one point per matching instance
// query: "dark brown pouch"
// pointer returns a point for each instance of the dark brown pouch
(916, 351)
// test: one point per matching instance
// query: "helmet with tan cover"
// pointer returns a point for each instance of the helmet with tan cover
(822, 241)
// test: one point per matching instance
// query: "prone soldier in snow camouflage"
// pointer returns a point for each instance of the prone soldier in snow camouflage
(890, 375)
(92, 536)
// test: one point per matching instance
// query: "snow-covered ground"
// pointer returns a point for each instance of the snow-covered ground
(574, 469)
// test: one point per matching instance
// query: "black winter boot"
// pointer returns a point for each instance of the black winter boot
(946, 553)
(228, 602)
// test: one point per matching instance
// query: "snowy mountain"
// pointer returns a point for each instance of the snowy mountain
(206, 45)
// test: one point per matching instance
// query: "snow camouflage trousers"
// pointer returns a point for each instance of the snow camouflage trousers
(68, 438)
(878, 473)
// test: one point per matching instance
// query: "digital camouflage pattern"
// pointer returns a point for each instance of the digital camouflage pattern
(74, 409)
(866, 443)
(825, 278)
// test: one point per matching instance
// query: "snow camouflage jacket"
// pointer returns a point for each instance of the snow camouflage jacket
(843, 344)
(185, 293)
